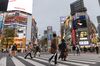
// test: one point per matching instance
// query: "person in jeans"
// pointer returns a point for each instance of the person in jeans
(54, 45)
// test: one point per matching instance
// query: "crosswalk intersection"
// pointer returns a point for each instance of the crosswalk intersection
(20, 61)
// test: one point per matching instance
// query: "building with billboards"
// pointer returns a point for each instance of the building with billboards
(18, 20)
(81, 25)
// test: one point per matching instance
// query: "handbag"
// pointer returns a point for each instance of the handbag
(52, 50)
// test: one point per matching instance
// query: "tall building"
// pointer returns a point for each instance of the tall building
(83, 30)
(3, 5)
(99, 2)
(98, 28)
(77, 6)
(18, 20)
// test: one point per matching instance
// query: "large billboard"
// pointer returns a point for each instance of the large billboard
(15, 17)
(80, 22)
(23, 5)
(1, 23)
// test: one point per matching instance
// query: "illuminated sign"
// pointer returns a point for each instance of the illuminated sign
(83, 42)
(83, 34)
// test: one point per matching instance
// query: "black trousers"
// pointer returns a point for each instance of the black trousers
(55, 58)
(28, 54)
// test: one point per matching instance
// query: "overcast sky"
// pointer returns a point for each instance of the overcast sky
(48, 12)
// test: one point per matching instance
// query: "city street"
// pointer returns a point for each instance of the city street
(72, 60)
(50, 30)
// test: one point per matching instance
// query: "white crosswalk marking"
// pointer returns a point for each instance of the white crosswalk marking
(77, 64)
(51, 62)
(87, 62)
(17, 62)
(32, 62)
(3, 61)
(41, 62)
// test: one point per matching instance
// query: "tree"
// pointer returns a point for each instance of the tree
(8, 36)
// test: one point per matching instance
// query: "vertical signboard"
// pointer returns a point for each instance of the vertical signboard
(73, 37)
(29, 25)
(1, 23)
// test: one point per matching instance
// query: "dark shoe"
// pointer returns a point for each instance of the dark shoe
(25, 57)
(31, 57)
(49, 60)
(65, 60)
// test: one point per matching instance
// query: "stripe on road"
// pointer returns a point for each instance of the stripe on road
(32, 62)
(73, 63)
(3, 61)
(80, 61)
(50, 62)
(17, 62)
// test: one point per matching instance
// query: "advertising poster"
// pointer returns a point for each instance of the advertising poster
(20, 5)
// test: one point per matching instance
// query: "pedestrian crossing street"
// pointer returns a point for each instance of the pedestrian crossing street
(20, 61)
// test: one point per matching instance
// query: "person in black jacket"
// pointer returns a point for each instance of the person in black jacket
(14, 49)
(97, 49)
(63, 50)
(37, 50)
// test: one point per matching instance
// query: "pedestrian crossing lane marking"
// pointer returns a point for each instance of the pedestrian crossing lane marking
(50, 62)
(32, 62)
(87, 62)
(3, 61)
(17, 62)
(74, 63)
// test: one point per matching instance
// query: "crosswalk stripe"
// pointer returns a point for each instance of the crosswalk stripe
(73, 63)
(32, 62)
(87, 62)
(17, 62)
(3, 61)
(50, 62)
